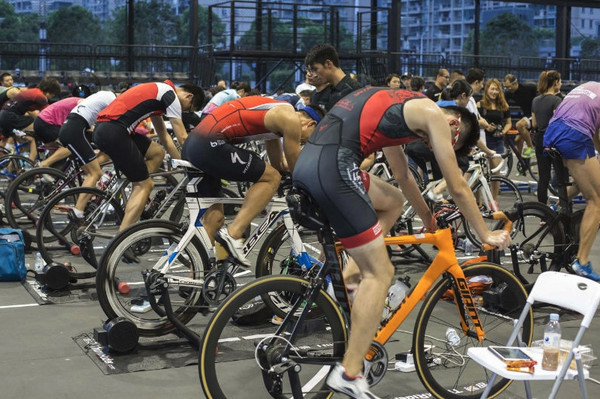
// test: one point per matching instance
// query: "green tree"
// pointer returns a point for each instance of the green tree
(281, 36)
(155, 23)
(311, 33)
(590, 48)
(17, 27)
(505, 35)
(218, 28)
(73, 24)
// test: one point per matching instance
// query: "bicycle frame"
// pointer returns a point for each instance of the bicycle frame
(276, 209)
(444, 262)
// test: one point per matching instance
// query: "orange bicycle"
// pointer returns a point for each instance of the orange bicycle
(291, 355)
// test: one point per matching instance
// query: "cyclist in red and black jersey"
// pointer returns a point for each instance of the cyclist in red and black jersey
(20, 111)
(133, 154)
(362, 209)
(211, 148)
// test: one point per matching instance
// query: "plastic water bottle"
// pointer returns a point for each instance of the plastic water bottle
(452, 336)
(468, 247)
(104, 180)
(396, 294)
(39, 263)
(552, 335)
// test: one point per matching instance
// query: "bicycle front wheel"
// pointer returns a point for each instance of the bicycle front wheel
(509, 194)
(120, 284)
(445, 369)
(237, 353)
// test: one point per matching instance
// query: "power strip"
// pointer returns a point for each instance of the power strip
(405, 362)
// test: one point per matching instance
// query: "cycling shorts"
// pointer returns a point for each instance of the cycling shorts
(127, 151)
(10, 120)
(74, 134)
(571, 143)
(332, 176)
(45, 131)
(221, 160)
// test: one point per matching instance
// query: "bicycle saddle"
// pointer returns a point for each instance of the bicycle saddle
(304, 210)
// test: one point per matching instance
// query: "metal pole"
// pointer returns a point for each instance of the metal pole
(130, 37)
(395, 27)
(194, 34)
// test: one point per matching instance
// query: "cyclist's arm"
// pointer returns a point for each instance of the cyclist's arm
(179, 130)
(432, 122)
(533, 121)
(275, 154)
(367, 162)
(507, 125)
(283, 120)
(399, 165)
(164, 137)
(596, 139)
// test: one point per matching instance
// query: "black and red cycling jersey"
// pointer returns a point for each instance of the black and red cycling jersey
(26, 101)
(239, 120)
(372, 118)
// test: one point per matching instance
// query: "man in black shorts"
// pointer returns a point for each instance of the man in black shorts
(211, 148)
(136, 155)
(362, 208)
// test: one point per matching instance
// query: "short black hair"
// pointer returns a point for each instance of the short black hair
(50, 85)
(320, 53)
(198, 95)
(5, 74)
(469, 125)
(475, 74)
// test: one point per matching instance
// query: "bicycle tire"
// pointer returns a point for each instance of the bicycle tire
(506, 199)
(321, 341)
(148, 240)
(533, 247)
(11, 166)
(59, 234)
(28, 194)
(466, 380)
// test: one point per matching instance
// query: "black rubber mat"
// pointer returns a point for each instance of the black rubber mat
(149, 354)
(78, 292)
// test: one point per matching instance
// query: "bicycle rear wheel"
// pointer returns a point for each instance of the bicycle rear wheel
(59, 233)
(12, 166)
(145, 243)
(446, 370)
(540, 242)
(234, 357)
(28, 194)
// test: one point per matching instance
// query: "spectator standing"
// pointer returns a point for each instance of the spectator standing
(323, 60)
(494, 109)
(542, 110)
(393, 81)
(441, 81)
(405, 80)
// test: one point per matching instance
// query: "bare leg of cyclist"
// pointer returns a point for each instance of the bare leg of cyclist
(93, 172)
(387, 201)
(58, 155)
(586, 173)
(154, 157)
(257, 197)
(377, 272)
(213, 220)
(136, 202)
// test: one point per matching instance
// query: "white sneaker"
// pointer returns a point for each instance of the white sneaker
(357, 388)
(233, 246)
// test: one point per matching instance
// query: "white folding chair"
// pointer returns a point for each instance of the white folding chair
(567, 291)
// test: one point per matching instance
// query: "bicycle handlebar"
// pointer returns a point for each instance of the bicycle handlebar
(508, 217)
